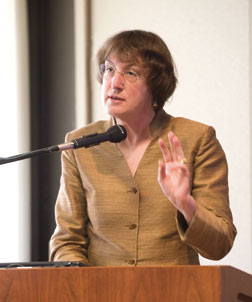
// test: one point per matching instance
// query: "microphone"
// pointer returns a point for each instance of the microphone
(114, 134)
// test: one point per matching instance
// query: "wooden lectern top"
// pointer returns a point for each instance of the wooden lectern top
(126, 284)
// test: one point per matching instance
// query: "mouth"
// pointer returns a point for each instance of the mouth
(115, 98)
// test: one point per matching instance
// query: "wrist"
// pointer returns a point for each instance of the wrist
(189, 209)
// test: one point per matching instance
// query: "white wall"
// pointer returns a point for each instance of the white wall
(210, 42)
(14, 135)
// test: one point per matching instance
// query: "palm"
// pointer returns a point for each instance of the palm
(174, 176)
(174, 182)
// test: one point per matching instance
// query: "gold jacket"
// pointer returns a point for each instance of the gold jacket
(105, 216)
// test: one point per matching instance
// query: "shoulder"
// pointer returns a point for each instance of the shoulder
(164, 120)
(96, 127)
(187, 128)
(184, 128)
(191, 133)
(196, 137)
(187, 124)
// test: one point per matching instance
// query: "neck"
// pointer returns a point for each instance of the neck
(137, 130)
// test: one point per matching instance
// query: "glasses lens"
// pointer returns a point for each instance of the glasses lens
(130, 76)
(110, 70)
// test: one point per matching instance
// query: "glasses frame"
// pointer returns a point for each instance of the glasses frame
(124, 73)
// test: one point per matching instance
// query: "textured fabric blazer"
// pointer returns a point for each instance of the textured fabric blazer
(105, 216)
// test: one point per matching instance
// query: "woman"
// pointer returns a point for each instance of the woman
(119, 204)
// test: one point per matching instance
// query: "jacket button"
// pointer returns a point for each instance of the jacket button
(132, 226)
(134, 190)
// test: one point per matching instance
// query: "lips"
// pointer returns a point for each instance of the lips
(116, 98)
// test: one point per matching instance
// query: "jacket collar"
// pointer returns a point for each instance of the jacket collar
(159, 122)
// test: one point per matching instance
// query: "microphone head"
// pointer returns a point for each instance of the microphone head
(117, 133)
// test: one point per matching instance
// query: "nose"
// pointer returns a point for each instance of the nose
(117, 80)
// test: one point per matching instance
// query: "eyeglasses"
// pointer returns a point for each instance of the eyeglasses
(110, 70)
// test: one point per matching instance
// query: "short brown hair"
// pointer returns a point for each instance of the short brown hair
(149, 50)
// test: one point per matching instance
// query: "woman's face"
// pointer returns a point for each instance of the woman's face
(124, 90)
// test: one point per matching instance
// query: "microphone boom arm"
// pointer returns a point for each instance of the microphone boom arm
(6, 160)
(114, 134)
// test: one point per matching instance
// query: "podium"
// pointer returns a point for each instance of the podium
(126, 284)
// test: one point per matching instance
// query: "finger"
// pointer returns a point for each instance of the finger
(172, 146)
(161, 171)
(182, 174)
(165, 152)
(178, 147)
(177, 150)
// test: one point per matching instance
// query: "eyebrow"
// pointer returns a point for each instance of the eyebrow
(127, 66)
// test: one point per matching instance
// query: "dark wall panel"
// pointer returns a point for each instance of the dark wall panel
(51, 33)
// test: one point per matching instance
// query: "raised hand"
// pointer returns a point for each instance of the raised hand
(174, 177)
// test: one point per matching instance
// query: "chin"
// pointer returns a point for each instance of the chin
(113, 111)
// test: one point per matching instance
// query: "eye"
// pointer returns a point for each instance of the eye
(109, 69)
(130, 73)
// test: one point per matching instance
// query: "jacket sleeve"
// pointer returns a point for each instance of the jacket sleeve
(211, 232)
(70, 241)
